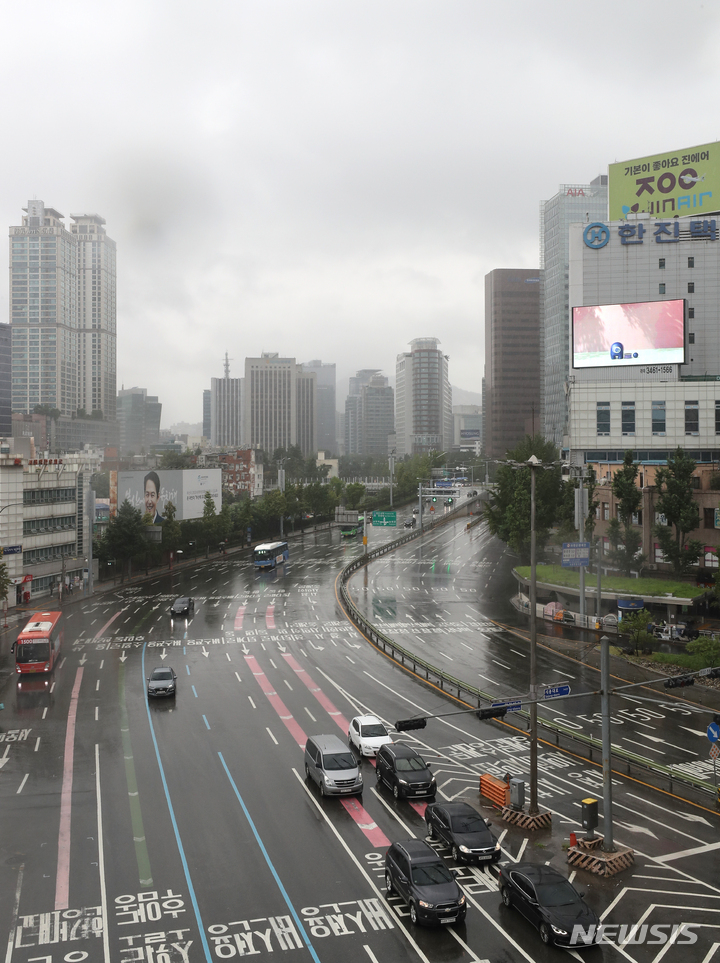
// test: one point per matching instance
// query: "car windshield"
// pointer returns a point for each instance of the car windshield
(32, 652)
(376, 729)
(181, 603)
(560, 893)
(413, 764)
(161, 675)
(339, 760)
(430, 874)
(468, 823)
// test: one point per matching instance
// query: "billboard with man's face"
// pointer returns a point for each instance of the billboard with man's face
(150, 491)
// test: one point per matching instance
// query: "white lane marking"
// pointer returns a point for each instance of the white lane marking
(521, 654)
(271, 735)
(310, 713)
(705, 848)
(101, 855)
(251, 702)
(22, 783)
(37, 744)
(238, 677)
(497, 662)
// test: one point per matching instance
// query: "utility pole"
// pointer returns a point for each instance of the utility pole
(608, 843)
(534, 464)
(391, 462)
(581, 513)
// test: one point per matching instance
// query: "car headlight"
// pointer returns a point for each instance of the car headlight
(329, 781)
(421, 902)
(497, 847)
(359, 778)
(464, 849)
(432, 779)
(403, 782)
(558, 930)
(461, 901)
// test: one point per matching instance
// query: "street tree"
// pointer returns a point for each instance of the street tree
(675, 501)
(5, 581)
(634, 626)
(124, 537)
(625, 538)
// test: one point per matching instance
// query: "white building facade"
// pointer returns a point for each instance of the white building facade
(650, 409)
(423, 399)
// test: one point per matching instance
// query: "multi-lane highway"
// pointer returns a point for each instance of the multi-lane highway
(185, 830)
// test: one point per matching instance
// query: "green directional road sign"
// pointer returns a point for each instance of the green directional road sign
(384, 519)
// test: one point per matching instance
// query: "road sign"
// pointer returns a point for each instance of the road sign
(714, 750)
(510, 706)
(575, 554)
(384, 519)
(713, 732)
(553, 691)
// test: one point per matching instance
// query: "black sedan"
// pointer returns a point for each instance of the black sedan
(403, 770)
(550, 902)
(162, 682)
(464, 830)
(182, 608)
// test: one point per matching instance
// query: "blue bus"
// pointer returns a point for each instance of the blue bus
(270, 554)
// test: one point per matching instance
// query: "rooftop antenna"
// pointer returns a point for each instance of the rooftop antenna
(226, 365)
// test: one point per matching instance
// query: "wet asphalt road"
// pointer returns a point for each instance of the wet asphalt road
(184, 829)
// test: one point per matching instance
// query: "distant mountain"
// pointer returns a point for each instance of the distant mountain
(462, 397)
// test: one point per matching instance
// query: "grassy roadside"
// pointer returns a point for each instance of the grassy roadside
(657, 587)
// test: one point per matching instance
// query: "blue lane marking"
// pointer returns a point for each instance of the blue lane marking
(194, 692)
(185, 653)
(206, 722)
(272, 869)
(178, 840)
(188, 669)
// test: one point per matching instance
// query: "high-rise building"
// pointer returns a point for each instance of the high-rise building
(6, 428)
(62, 313)
(279, 404)
(325, 377)
(138, 414)
(206, 418)
(353, 410)
(97, 315)
(512, 345)
(423, 399)
(369, 416)
(467, 426)
(226, 409)
(572, 203)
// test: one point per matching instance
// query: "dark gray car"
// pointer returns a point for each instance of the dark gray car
(419, 876)
(162, 682)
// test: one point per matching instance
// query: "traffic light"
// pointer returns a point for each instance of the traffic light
(493, 712)
(403, 725)
(434, 498)
(450, 501)
(679, 681)
(710, 674)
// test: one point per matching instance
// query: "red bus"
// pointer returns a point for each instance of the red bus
(38, 645)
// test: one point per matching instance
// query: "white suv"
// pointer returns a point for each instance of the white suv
(367, 734)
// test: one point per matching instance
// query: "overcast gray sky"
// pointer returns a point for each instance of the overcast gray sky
(330, 179)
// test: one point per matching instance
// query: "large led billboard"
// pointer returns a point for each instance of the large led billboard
(150, 491)
(613, 335)
(682, 182)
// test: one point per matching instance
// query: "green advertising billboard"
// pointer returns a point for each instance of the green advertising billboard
(683, 182)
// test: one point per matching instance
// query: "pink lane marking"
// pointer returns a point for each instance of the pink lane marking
(327, 705)
(419, 808)
(365, 822)
(276, 702)
(108, 624)
(239, 616)
(62, 880)
(270, 617)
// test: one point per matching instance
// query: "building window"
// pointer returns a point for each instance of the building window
(659, 557)
(628, 417)
(717, 417)
(661, 289)
(691, 287)
(658, 418)
(692, 418)
(691, 262)
(603, 417)
(637, 517)
(606, 511)
(691, 312)
(711, 559)
(708, 517)
(691, 338)
(661, 263)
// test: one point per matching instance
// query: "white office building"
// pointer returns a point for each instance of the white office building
(423, 399)
(650, 409)
(279, 404)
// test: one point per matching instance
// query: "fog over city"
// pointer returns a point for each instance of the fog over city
(325, 179)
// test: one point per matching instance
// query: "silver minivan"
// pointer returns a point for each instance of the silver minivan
(330, 763)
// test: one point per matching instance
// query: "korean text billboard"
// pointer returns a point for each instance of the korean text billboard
(678, 182)
(150, 491)
(612, 335)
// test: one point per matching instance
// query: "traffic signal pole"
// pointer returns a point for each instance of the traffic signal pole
(608, 843)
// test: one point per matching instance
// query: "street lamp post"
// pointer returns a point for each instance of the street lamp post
(608, 842)
(534, 464)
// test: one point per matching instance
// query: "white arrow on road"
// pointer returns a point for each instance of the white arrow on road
(4, 759)
(693, 818)
(282, 647)
(83, 660)
(352, 645)
(205, 652)
(245, 649)
(164, 654)
(123, 657)
(635, 829)
(695, 732)
(318, 647)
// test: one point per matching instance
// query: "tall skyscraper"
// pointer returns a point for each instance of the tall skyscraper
(97, 315)
(423, 399)
(226, 409)
(512, 345)
(369, 414)
(279, 404)
(325, 376)
(572, 203)
(5, 380)
(62, 313)
(138, 415)
(206, 416)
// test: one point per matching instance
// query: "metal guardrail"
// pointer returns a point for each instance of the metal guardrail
(662, 777)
